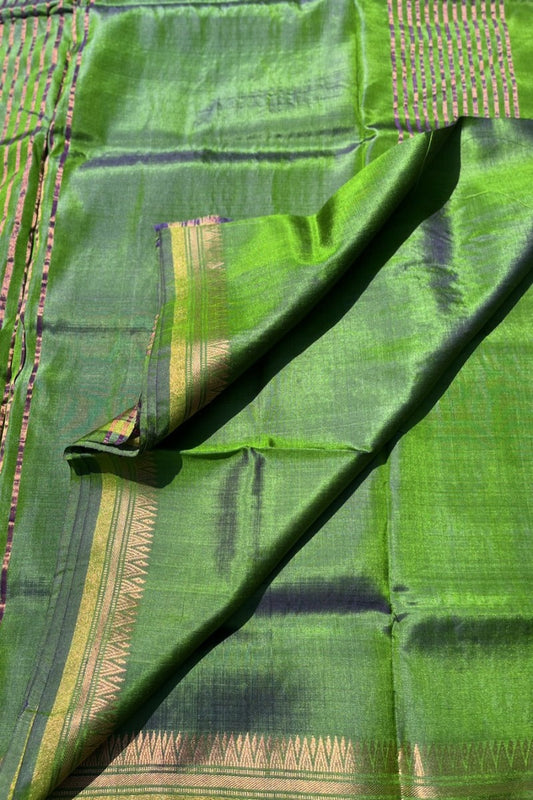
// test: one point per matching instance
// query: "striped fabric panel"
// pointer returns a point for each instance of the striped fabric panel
(85, 705)
(18, 137)
(250, 765)
(207, 349)
(449, 58)
(122, 427)
(178, 764)
(190, 356)
(118, 435)
(22, 109)
(9, 285)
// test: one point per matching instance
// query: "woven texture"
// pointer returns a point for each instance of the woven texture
(265, 427)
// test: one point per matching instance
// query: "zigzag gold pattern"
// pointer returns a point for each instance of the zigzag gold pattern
(251, 765)
(126, 535)
(310, 754)
(179, 765)
(129, 592)
(301, 754)
(468, 758)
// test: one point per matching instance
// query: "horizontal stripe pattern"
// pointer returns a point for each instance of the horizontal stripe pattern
(449, 58)
(180, 764)
(236, 765)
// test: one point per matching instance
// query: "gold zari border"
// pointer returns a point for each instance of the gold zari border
(195, 766)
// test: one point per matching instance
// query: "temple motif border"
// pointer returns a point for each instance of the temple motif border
(85, 705)
(251, 765)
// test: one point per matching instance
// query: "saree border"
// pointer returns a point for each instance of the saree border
(85, 704)
(253, 765)
(189, 360)
(115, 513)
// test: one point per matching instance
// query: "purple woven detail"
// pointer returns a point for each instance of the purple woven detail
(404, 67)
(451, 63)
(209, 220)
(481, 65)
(412, 54)
(440, 53)
(510, 64)
(459, 45)
(7, 52)
(490, 54)
(118, 440)
(501, 61)
(429, 32)
(17, 59)
(394, 71)
(127, 421)
(473, 82)
(420, 36)
(53, 65)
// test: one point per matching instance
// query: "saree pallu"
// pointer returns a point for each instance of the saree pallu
(265, 440)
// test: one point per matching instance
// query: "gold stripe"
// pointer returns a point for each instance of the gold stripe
(178, 348)
(198, 340)
(418, 789)
(104, 662)
(325, 756)
(96, 662)
(124, 423)
(84, 710)
(218, 346)
(182, 765)
(81, 635)
(185, 783)
(199, 351)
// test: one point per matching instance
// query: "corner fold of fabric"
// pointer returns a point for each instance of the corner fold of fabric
(229, 290)
(95, 664)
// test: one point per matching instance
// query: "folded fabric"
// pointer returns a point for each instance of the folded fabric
(265, 473)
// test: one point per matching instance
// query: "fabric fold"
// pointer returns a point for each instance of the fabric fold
(229, 291)
(138, 598)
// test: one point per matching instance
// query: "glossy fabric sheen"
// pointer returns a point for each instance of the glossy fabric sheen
(265, 433)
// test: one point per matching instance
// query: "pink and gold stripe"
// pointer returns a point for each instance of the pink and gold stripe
(7, 400)
(501, 64)
(440, 52)
(40, 310)
(510, 65)
(464, 48)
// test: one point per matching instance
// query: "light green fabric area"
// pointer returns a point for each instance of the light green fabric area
(337, 547)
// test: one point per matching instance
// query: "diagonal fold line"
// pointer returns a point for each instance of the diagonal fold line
(434, 299)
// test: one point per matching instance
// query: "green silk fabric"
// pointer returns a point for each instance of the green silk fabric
(265, 434)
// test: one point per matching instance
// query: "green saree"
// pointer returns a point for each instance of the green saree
(266, 420)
